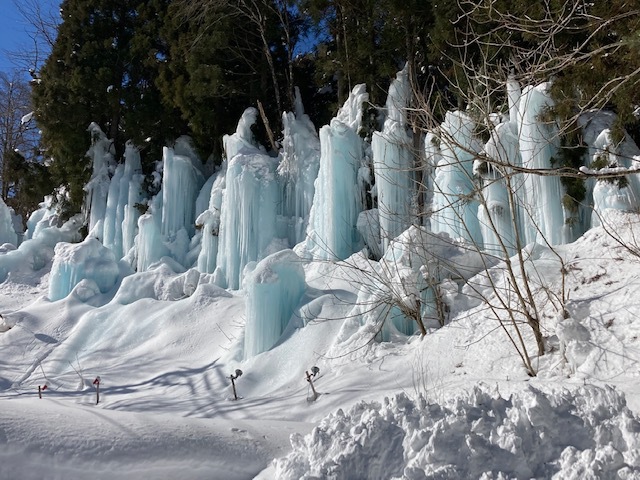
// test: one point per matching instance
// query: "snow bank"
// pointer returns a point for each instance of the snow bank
(589, 433)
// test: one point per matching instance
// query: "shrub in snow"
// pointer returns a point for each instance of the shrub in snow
(589, 433)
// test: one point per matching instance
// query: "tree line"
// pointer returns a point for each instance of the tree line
(150, 71)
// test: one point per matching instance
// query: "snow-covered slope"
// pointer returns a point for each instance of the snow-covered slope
(460, 404)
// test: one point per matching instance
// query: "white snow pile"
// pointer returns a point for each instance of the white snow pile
(587, 433)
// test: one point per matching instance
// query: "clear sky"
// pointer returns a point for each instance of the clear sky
(13, 31)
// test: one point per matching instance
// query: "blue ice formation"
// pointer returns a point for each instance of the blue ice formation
(248, 219)
(393, 164)
(332, 232)
(274, 288)
(88, 260)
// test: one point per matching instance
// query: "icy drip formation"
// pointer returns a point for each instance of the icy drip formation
(89, 261)
(298, 170)
(332, 232)
(98, 187)
(454, 206)
(274, 288)
(249, 204)
(495, 214)
(7, 232)
(121, 215)
(209, 224)
(393, 166)
(541, 210)
(181, 182)
(605, 155)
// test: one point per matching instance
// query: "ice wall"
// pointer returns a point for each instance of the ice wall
(393, 164)
(332, 232)
(97, 188)
(454, 208)
(298, 170)
(89, 261)
(249, 205)
(274, 288)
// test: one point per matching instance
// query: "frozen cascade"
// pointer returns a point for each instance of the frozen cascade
(494, 213)
(454, 208)
(98, 186)
(7, 232)
(393, 163)
(541, 210)
(88, 260)
(181, 182)
(332, 232)
(249, 204)
(298, 170)
(274, 288)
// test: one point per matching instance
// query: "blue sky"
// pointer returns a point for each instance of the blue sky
(13, 31)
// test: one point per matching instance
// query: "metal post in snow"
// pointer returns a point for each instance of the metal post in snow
(96, 382)
(233, 382)
(41, 389)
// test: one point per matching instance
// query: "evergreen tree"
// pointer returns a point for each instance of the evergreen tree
(101, 69)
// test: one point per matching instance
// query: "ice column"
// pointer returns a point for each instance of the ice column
(181, 182)
(541, 205)
(495, 214)
(274, 289)
(393, 164)
(249, 206)
(209, 222)
(454, 207)
(332, 232)
(298, 170)
(98, 186)
(7, 232)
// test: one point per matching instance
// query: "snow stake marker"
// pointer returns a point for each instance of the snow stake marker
(96, 382)
(41, 389)
(314, 372)
(233, 383)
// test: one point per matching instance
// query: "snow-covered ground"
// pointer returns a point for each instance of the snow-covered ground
(456, 404)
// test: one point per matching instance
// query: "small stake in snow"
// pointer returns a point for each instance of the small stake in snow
(96, 382)
(314, 372)
(233, 382)
(41, 389)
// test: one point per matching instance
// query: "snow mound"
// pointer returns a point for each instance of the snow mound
(588, 433)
